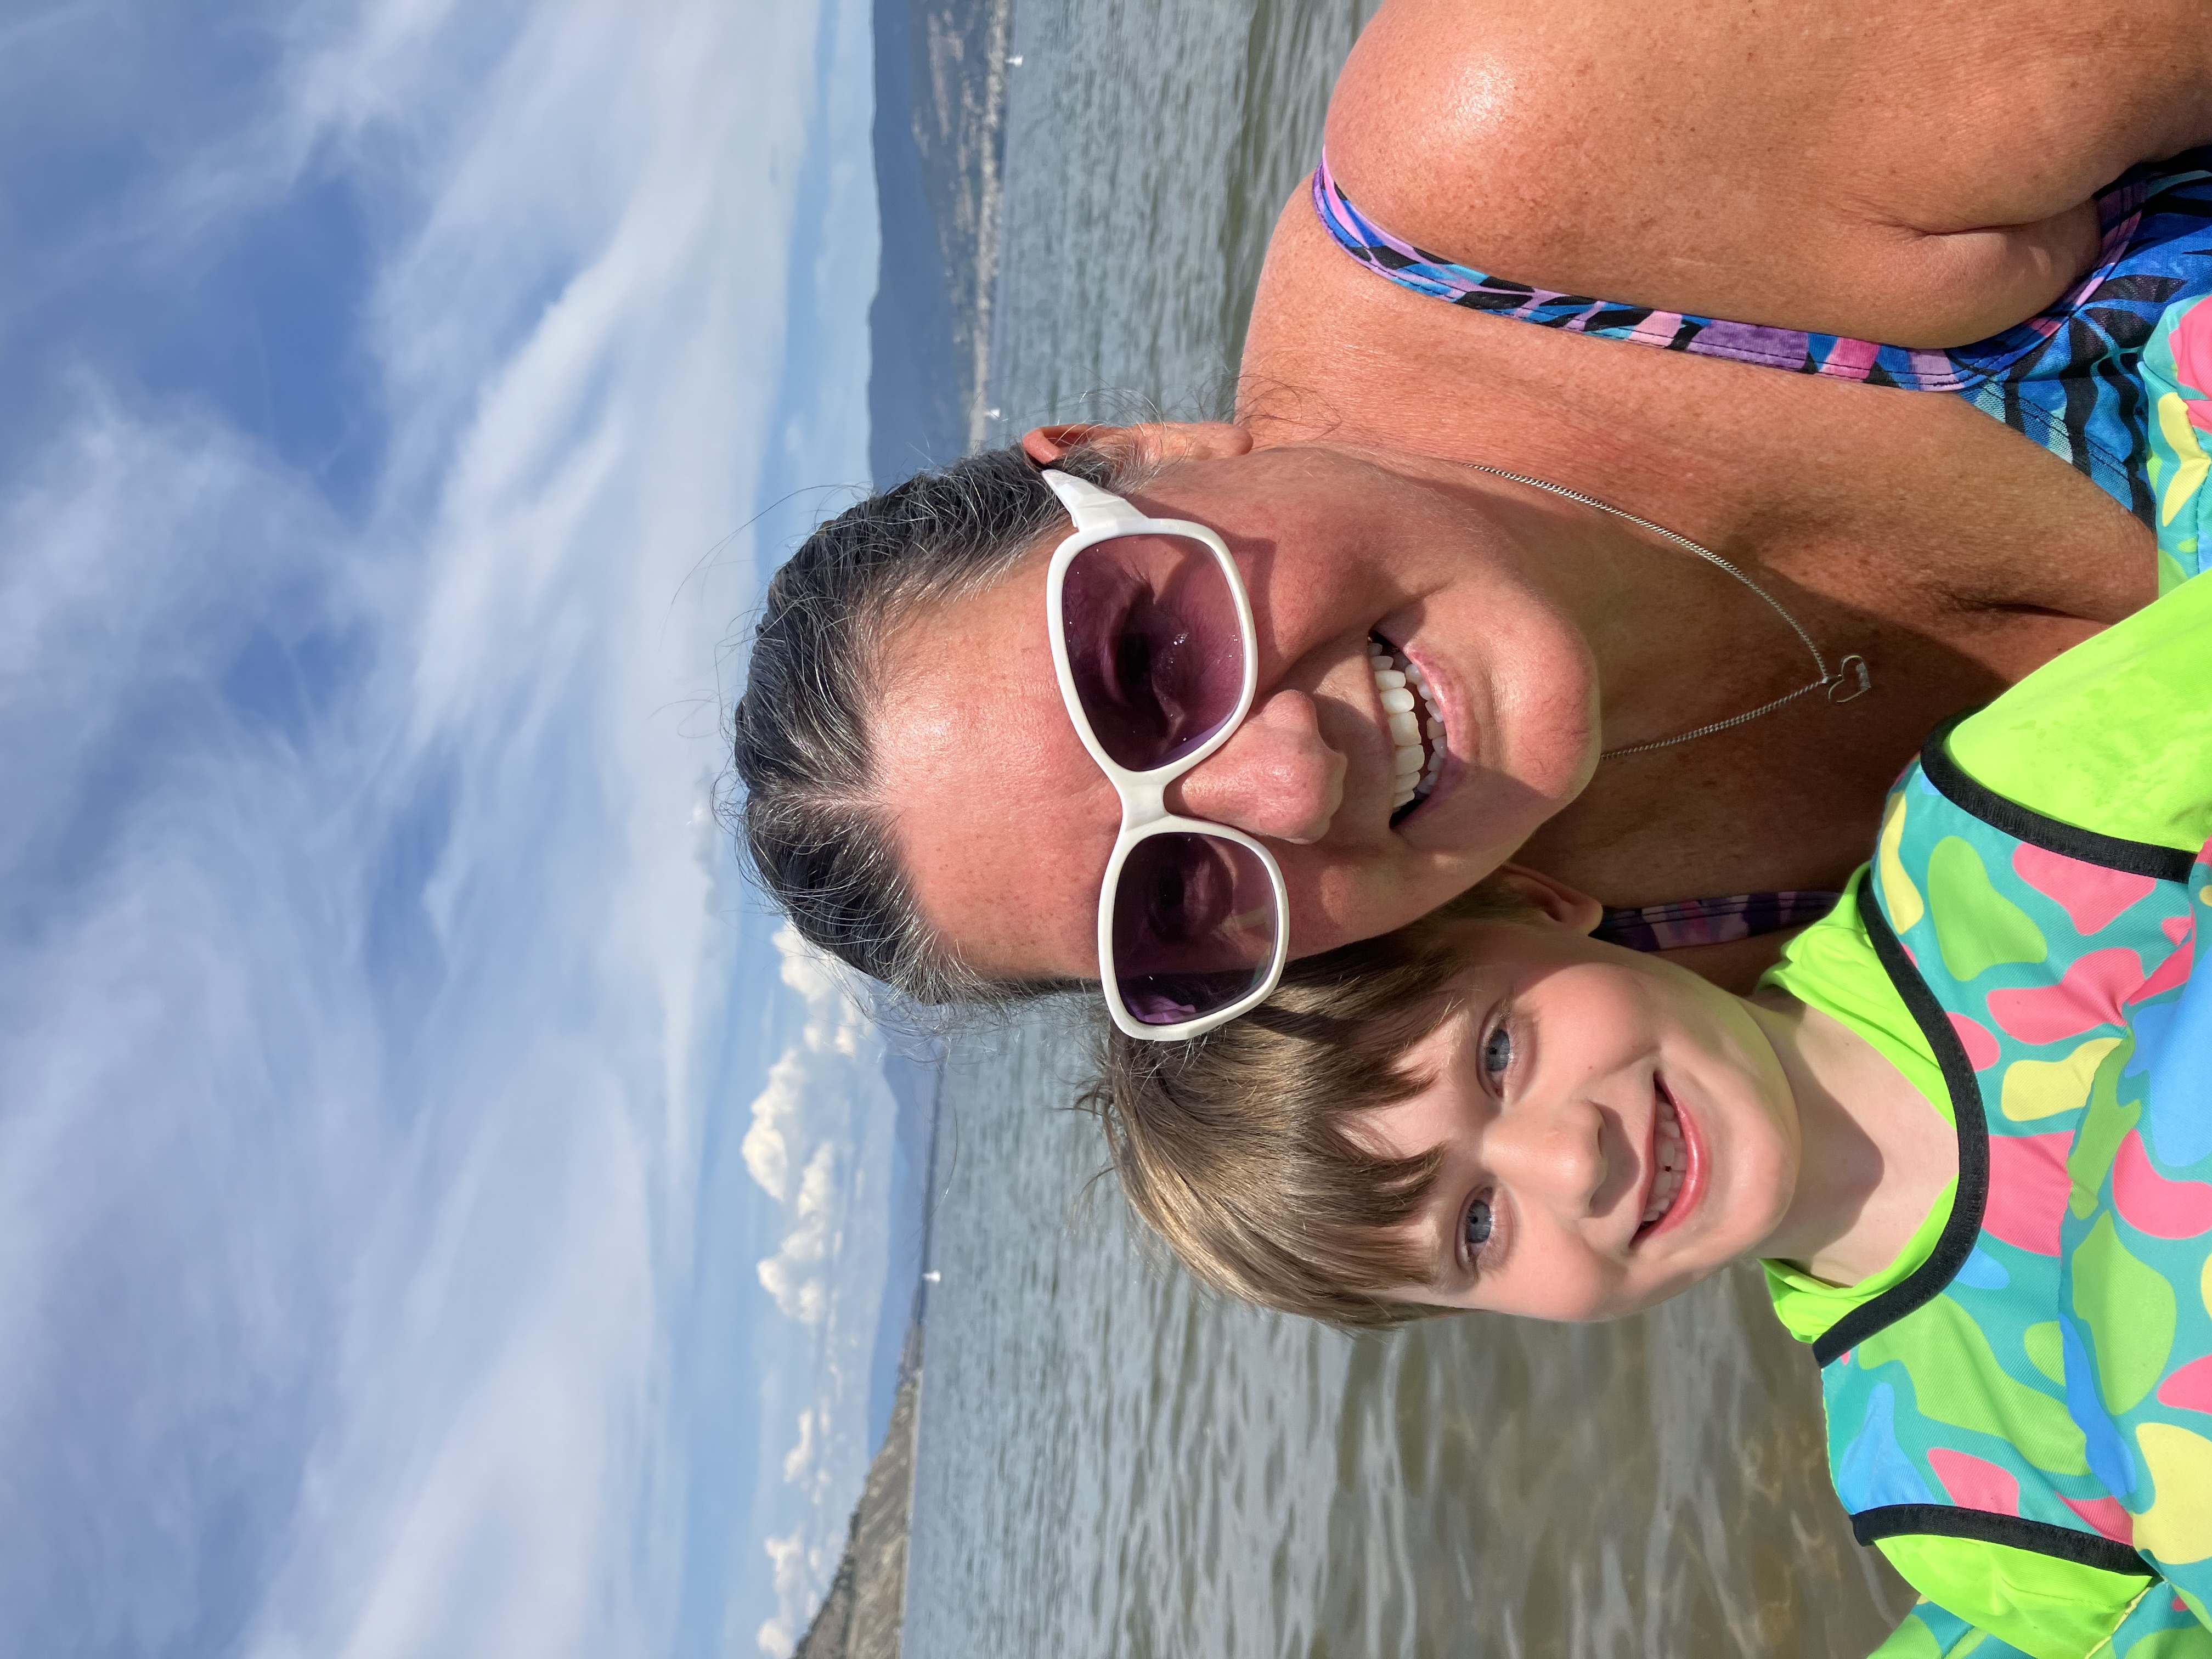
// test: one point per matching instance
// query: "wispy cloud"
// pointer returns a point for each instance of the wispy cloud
(366, 940)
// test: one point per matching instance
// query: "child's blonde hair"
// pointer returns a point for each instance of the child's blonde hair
(1240, 1148)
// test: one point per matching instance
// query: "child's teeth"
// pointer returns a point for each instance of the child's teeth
(1667, 1148)
(1663, 1188)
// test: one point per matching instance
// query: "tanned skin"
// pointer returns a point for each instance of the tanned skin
(1920, 175)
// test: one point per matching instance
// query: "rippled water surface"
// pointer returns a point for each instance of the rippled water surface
(1110, 1463)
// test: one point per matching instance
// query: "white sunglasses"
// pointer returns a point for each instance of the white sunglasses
(1152, 640)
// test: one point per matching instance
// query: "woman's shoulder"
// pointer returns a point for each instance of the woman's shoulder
(1784, 166)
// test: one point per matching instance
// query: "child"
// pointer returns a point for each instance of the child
(1966, 1124)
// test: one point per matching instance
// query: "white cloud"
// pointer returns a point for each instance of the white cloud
(795, 1275)
(819, 1144)
(361, 977)
(800, 1457)
(189, 1129)
(837, 1045)
(796, 1567)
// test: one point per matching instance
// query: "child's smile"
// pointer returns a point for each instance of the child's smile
(1671, 1158)
(1612, 1129)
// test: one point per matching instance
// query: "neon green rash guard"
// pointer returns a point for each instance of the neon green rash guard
(2019, 1407)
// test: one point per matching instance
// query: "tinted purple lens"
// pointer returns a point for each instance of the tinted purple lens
(1153, 639)
(1194, 926)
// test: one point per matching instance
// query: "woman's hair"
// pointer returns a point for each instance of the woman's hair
(1239, 1149)
(818, 837)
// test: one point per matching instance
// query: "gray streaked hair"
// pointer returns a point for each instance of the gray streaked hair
(807, 815)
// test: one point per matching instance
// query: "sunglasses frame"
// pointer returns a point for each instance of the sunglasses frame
(1100, 516)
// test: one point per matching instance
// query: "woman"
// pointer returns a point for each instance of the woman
(1753, 189)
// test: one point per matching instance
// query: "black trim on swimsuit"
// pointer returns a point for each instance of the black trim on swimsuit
(1927, 1281)
(2040, 1537)
(2135, 858)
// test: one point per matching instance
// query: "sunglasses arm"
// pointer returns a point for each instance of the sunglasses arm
(1092, 507)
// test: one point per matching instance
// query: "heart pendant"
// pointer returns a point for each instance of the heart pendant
(1864, 677)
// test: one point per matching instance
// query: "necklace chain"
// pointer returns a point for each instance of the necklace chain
(1830, 679)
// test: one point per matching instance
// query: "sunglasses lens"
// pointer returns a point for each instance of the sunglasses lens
(1194, 926)
(1154, 641)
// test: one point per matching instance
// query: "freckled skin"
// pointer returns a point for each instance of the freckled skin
(1728, 158)
(1007, 824)
(1765, 163)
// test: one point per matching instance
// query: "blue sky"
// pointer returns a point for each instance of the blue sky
(439, 1213)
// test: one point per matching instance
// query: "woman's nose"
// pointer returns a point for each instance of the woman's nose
(1276, 776)
(1554, 1151)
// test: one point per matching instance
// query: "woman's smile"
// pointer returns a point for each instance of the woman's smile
(1415, 724)
(1353, 765)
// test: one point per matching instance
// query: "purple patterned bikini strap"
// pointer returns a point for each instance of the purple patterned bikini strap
(1713, 920)
(2063, 378)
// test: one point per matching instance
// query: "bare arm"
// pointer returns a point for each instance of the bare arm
(1914, 171)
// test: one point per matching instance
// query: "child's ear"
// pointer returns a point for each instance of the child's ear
(1551, 898)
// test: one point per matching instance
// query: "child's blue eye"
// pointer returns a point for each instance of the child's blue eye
(1478, 1223)
(1497, 1052)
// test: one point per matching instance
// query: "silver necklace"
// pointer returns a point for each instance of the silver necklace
(1832, 679)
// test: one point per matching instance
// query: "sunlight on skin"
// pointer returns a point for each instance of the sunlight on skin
(1506, 614)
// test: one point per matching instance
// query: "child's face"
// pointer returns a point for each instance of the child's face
(1580, 1089)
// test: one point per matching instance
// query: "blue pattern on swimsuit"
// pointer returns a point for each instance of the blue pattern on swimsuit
(2066, 379)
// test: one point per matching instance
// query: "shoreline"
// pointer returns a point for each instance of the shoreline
(863, 1613)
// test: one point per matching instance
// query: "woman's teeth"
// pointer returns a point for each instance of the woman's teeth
(1673, 1162)
(1417, 725)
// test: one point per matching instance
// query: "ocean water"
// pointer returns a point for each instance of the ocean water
(1110, 1463)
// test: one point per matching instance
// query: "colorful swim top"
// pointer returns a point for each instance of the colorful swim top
(2115, 379)
(2020, 1407)
(2066, 378)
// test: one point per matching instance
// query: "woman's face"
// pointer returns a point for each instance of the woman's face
(1005, 823)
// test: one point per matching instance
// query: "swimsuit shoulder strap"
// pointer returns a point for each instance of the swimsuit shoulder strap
(2065, 378)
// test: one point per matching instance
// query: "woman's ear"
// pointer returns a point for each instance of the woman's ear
(1164, 440)
(1551, 898)
(1046, 444)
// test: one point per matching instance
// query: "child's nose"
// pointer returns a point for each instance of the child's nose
(1276, 777)
(1555, 1151)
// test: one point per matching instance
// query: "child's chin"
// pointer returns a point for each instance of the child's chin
(1675, 1284)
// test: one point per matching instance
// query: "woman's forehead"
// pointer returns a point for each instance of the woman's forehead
(1002, 819)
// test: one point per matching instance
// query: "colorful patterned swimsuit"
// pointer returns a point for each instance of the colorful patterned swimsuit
(2020, 1409)
(2089, 379)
